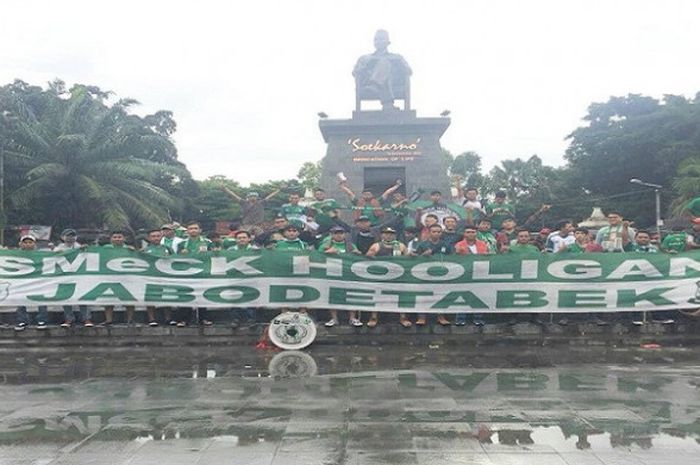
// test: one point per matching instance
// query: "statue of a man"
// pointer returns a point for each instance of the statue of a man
(377, 73)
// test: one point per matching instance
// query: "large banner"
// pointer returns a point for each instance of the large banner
(504, 283)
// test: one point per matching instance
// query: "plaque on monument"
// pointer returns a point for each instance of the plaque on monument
(376, 147)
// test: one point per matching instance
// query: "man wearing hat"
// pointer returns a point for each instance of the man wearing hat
(69, 241)
(291, 240)
(170, 240)
(27, 244)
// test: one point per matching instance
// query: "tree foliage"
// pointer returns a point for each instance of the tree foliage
(74, 159)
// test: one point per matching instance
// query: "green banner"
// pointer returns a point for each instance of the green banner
(439, 284)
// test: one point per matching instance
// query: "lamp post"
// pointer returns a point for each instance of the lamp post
(657, 192)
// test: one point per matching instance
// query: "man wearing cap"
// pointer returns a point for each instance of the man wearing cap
(170, 240)
(291, 240)
(252, 207)
(499, 210)
(27, 244)
(69, 241)
(337, 243)
(387, 246)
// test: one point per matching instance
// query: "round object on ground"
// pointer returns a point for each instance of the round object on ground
(292, 330)
(292, 364)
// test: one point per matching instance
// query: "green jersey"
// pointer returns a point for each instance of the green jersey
(342, 247)
(227, 243)
(498, 212)
(367, 210)
(677, 241)
(489, 238)
(296, 244)
(198, 245)
(157, 250)
(523, 249)
(325, 211)
(295, 214)
(173, 243)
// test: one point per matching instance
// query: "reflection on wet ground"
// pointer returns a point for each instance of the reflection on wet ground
(351, 405)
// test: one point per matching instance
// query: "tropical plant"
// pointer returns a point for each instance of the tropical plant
(78, 161)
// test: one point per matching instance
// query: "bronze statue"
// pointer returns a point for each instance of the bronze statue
(382, 75)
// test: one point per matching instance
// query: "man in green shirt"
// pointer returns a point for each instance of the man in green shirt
(676, 241)
(295, 213)
(338, 244)
(326, 210)
(642, 243)
(243, 242)
(484, 233)
(195, 243)
(291, 240)
(155, 248)
(522, 245)
(499, 210)
(117, 240)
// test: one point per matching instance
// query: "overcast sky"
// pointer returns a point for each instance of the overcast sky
(246, 79)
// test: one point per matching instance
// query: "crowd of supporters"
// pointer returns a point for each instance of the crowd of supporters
(388, 225)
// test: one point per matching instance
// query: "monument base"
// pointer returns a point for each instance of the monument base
(375, 148)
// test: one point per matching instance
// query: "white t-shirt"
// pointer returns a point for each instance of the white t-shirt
(556, 242)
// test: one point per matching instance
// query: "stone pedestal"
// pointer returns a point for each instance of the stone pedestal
(374, 148)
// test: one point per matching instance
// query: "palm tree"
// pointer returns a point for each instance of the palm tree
(686, 184)
(86, 163)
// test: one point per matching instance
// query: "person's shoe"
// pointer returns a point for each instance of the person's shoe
(460, 322)
(180, 324)
(406, 323)
(355, 322)
(637, 322)
(20, 326)
(665, 321)
(443, 321)
(599, 321)
(373, 322)
(563, 321)
(107, 324)
(172, 323)
(41, 325)
(234, 324)
(66, 324)
(478, 321)
(420, 321)
(206, 323)
(88, 324)
(153, 323)
(330, 323)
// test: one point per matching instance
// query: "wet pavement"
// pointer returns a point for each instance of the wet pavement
(497, 404)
